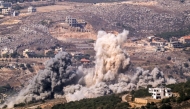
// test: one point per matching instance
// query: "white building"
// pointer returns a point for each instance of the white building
(71, 21)
(160, 93)
(28, 52)
(31, 9)
(5, 8)
(6, 50)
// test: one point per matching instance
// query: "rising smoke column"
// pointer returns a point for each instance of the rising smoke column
(50, 81)
(58, 79)
(110, 73)
(111, 59)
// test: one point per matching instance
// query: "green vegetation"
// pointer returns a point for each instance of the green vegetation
(166, 106)
(50, 54)
(186, 65)
(5, 88)
(169, 58)
(15, 54)
(167, 67)
(178, 34)
(19, 105)
(140, 93)
(104, 102)
(183, 89)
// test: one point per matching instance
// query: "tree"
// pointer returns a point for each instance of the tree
(166, 106)
(6, 55)
(186, 65)
(38, 48)
(169, 58)
(50, 54)
(182, 1)
(167, 67)
(28, 65)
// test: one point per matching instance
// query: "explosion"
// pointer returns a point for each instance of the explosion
(59, 79)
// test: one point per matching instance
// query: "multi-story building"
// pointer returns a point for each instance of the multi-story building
(160, 93)
(31, 9)
(71, 21)
(185, 39)
(175, 44)
(5, 8)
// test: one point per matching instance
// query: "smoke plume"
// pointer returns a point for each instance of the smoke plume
(48, 82)
(110, 74)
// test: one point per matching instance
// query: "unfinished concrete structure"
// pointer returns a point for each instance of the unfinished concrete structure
(5, 8)
(160, 93)
(71, 21)
(31, 9)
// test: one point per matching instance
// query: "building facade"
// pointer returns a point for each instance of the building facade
(185, 39)
(160, 93)
(31, 9)
(5, 8)
(71, 21)
(28, 52)
(6, 50)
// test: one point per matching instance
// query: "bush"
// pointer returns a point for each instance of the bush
(5, 106)
(167, 67)
(19, 105)
(169, 58)
(38, 48)
(186, 65)
(50, 54)
(166, 100)
(141, 93)
(166, 106)
(104, 102)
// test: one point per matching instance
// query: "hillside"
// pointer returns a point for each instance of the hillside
(114, 101)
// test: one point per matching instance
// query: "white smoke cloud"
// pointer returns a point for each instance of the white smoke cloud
(59, 80)
(110, 57)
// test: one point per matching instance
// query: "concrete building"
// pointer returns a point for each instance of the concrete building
(28, 52)
(175, 44)
(31, 9)
(156, 41)
(5, 8)
(185, 39)
(6, 50)
(160, 93)
(71, 21)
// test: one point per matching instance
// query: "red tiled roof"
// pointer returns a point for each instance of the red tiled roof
(84, 60)
(186, 37)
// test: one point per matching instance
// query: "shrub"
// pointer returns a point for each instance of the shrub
(169, 58)
(19, 105)
(186, 65)
(166, 106)
(167, 67)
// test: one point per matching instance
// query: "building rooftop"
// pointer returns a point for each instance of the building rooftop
(186, 37)
(84, 60)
